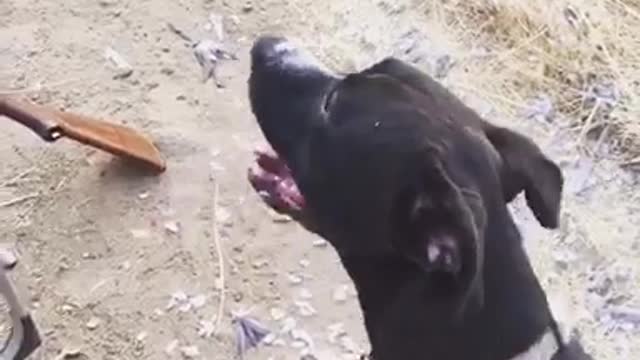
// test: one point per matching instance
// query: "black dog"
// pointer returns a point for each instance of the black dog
(411, 188)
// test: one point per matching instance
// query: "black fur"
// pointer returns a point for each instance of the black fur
(411, 187)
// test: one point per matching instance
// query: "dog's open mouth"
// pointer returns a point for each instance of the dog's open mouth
(271, 178)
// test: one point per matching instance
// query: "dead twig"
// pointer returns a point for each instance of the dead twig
(19, 200)
(587, 124)
(216, 241)
(180, 33)
(14, 180)
(633, 162)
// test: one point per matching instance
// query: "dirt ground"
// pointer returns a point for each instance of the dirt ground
(103, 248)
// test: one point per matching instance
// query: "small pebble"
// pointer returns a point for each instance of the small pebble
(340, 293)
(305, 294)
(143, 195)
(305, 263)
(190, 352)
(302, 336)
(223, 216)
(259, 264)
(298, 344)
(294, 279)
(320, 243)
(335, 332)
(171, 347)
(140, 234)
(172, 227)
(70, 353)
(177, 298)
(206, 329)
(198, 301)
(288, 324)
(305, 308)
(93, 323)
(218, 283)
(277, 314)
(167, 71)
(142, 336)
(126, 265)
(349, 345)
(279, 343)
(269, 339)
(280, 218)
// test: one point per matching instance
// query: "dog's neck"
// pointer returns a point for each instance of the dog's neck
(402, 310)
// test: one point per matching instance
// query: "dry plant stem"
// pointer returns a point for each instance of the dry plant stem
(587, 125)
(16, 179)
(181, 34)
(19, 200)
(42, 86)
(603, 135)
(633, 162)
(221, 269)
(628, 9)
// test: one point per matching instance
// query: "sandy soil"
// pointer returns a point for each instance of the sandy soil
(99, 259)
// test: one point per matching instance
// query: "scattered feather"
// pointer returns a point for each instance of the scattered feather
(249, 333)
(625, 314)
(540, 108)
(209, 53)
(606, 93)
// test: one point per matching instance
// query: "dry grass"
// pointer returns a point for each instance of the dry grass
(565, 50)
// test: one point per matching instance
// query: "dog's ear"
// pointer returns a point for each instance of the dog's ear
(441, 229)
(526, 168)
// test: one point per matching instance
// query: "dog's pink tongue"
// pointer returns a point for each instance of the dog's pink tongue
(272, 179)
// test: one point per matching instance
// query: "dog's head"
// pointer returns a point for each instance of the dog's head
(391, 164)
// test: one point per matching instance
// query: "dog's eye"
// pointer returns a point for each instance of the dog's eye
(421, 205)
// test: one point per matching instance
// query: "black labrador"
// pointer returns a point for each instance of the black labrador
(410, 186)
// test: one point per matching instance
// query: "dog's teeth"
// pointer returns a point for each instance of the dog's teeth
(433, 252)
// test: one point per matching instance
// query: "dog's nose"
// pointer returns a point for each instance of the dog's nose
(270, 49)
(277, 53)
